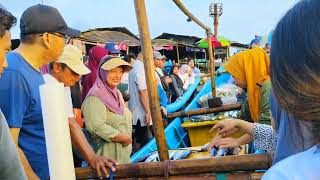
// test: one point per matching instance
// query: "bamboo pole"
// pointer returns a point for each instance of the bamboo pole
(178, 56)
(195, 167)
(158, 128)
(128, 49)
(204, 111)
(212, 66)
(210, 176)
(216, 21)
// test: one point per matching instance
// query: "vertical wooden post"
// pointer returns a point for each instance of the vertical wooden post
(143, 26)
(128, 49)
(178, 57)
(216, 21)
(212, 66)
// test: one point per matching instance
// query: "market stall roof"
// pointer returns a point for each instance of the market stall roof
(163, 42)
(180, 39)
(112, 34)
(240, 45)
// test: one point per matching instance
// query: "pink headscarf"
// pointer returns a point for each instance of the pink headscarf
(110, 96)
(95, 55)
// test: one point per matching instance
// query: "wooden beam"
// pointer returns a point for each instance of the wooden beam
(147, 51)
(216, 21)
(193, 167)
(127, 49)
(178, 56)
(212, 65)
(204, 111)
(208, 176)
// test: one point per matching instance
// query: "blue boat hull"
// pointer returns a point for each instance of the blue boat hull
(176, 136)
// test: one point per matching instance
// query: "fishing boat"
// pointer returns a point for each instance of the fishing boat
(177, 136)
(180, 102)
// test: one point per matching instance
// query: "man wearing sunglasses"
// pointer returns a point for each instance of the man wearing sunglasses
(43, 35)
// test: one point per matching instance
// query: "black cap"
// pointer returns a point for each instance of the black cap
(41, 18)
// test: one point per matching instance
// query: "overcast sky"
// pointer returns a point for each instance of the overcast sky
(240, 21)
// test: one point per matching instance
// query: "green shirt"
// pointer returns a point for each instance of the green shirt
(105, 125)
(264, 116)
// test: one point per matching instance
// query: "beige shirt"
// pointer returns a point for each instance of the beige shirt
(105, 125)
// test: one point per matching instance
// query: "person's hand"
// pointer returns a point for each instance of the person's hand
(148, 119)
(214, 142)
(226, 127)
(99, 163)
(127, 141)
(228, 143)
(164, 111)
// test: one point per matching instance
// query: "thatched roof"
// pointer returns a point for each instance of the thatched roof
(180, 39)
(163, 42)
(114, 34)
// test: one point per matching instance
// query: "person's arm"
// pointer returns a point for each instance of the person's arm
(25, 163)
(264, 136)
(245, 139)
(79, 140)
(144, 98)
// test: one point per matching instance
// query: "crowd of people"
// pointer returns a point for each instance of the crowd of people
(281, 111)
(103, 86)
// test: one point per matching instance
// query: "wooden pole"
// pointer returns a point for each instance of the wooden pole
(204, 111)
(212, 66)
(128, 49)
(158, 128)
(216, 21)
(178, 57)
(187, 167)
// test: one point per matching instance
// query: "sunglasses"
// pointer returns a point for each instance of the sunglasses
(65, 37)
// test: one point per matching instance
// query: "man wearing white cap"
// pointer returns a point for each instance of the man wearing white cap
(67, 70)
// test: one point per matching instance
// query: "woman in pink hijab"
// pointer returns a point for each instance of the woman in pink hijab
(95, 55)
(105, 113)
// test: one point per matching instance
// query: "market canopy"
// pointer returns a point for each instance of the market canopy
(179, 39)
(160, 44)
(216, 42)
(117, 35)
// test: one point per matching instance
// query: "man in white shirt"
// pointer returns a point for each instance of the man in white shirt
(139, 104)
(67, 70)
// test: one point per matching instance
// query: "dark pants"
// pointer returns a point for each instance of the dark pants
(141, 135)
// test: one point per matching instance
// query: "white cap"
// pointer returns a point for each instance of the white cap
(73, 58)
(157, 55)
